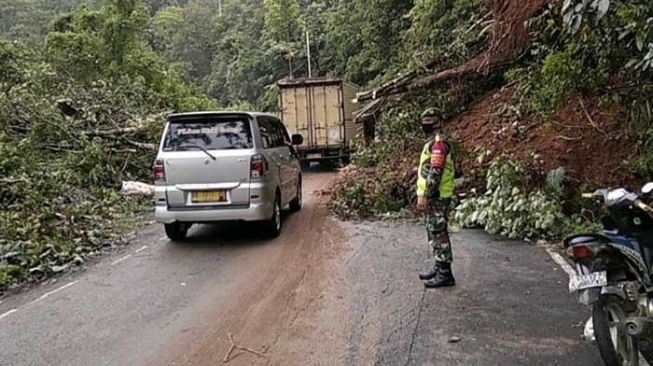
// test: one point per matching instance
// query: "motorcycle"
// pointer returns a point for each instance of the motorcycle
(614, 275)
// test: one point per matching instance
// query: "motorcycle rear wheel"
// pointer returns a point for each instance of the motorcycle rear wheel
(617, 348)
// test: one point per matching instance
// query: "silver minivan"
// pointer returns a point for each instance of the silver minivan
(225, 166)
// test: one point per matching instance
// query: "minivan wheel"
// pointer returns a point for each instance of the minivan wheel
(273, 225)
(296, 204)
(177, 231)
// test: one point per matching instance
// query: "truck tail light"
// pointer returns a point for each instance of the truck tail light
(258, 166)
(159, 171)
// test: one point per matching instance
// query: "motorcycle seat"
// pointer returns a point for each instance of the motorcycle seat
(585, 239)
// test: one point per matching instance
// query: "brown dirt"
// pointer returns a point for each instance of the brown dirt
(276, 296)
(584, 136)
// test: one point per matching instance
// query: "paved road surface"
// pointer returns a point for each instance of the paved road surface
(324, 293)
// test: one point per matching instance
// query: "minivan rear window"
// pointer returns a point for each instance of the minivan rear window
(210, 134)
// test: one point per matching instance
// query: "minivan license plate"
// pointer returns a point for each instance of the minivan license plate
(581, 282)
(209, 196)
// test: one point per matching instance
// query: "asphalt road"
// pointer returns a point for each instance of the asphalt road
(324, 293)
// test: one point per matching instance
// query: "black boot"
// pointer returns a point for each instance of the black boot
(430, 270)
(444, 277)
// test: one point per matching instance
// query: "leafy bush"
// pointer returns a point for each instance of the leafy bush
(512, 207)
(560, 75)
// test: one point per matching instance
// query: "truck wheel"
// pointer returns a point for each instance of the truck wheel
(177, 231)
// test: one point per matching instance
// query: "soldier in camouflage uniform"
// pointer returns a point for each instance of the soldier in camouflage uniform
(435, 188)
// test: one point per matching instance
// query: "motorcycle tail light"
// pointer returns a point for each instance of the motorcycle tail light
(582, 252)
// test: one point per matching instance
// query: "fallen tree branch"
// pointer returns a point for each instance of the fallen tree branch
(141, 145)
(13, 180)
(114, 132)
(235, 347)
(567, 138)
(589, 118)
(471, 67)
(509, 35)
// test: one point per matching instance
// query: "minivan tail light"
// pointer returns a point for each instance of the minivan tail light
(159, 171)
(582, 252)
(258, 166)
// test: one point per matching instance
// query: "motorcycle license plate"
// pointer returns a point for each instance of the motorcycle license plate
(581, 282)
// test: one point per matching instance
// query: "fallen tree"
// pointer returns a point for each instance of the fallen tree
(509, 36)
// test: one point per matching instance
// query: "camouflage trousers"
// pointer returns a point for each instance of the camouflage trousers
(437, 222)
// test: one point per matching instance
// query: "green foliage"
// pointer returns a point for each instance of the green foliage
(186, 36)
(374, 193)
(511, 207)
(560, 75)
(445, 29)
(77, 115)
(555, 182)
(397, 131)
(582, 48)
(10, 71)
(624, 28)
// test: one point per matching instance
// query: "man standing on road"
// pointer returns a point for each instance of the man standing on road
(435, 187)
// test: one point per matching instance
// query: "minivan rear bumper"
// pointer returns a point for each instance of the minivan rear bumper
(252, 212)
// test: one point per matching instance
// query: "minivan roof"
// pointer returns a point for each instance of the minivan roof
(217, 113)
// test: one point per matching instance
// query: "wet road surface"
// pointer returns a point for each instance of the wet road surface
(323, 293)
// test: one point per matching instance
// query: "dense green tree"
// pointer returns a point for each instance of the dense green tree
(282, 23)
(187, 35)
(11, 72)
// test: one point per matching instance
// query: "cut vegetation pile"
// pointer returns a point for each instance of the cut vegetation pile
(78, 115)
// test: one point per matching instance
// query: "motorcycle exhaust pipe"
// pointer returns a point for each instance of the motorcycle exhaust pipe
(639, 327)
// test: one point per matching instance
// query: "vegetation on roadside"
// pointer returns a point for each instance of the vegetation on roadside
(579, 51)
(79, 113)
(84, 86)
(519, 207)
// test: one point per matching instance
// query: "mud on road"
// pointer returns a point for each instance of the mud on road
(323, 293)
(274, 296)
(348, 294)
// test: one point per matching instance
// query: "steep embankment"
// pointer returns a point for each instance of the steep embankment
(584, 137)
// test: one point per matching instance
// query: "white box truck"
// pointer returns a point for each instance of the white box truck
(322, 110)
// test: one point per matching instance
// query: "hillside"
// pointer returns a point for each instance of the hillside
(585, 137)
(560, 106)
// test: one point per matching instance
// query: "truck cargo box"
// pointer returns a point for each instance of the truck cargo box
(321, 110)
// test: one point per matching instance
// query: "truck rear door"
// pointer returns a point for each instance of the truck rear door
(326, 112)
(296, 113)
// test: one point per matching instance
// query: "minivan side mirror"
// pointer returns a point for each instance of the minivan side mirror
(297, 139)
